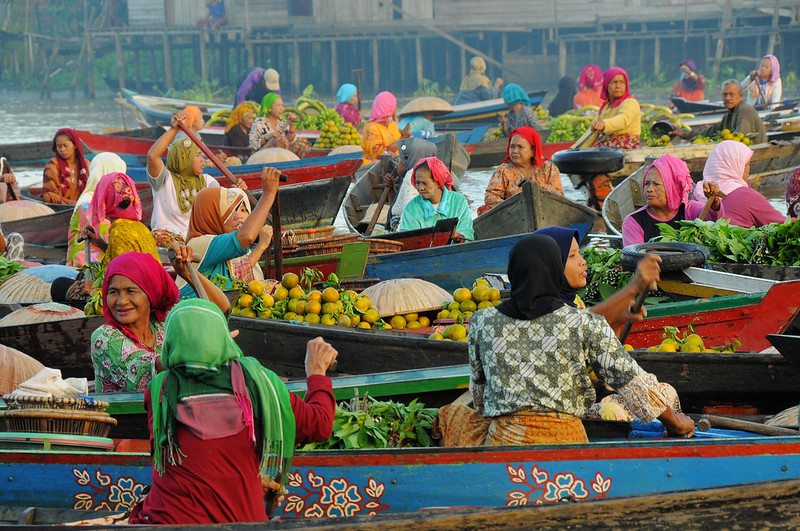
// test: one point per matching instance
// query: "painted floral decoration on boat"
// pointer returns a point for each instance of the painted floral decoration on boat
(107, 495)
(562, 486)
(337, 497)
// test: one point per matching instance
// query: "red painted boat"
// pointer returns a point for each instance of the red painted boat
(97, 143)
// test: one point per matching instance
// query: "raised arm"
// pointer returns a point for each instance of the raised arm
(154, 163)
(251, 227)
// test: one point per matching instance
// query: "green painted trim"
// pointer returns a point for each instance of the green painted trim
(704, 305)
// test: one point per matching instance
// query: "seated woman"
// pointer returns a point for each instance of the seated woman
(763, 86)
(476, 86)
(347, 99)
(532, 384)
(175, 185)
(102, 164)
(9, 188)
(117, 201)
(222, 229)
(237, 129)
(436, 200)
(269, 130)
(224, 428)
(590, 85)
(563, 101)
(728, 167)
(411, 151)
(691, 86)
(419, 124)
(65, 175)
(667, 185)
(381, 132)
(519, 113)
(620, 116)
(524, 162)
(137, 294)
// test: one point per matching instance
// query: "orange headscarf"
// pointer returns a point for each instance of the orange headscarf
(212, 207)
(193, 114)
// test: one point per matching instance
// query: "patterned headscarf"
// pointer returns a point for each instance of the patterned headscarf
(677, 180)
(528, 133)
(346, 93)
(477, 75)
(267, 102)
(725, 165)
(564, 238)
(116, 198)
(591, 78)
(63, 165)
(238, 113)
(793, 195)
(513, 94)
(212, 208)
(439, 172)
(151, 277)
(180, 159)
(383, 107)
(775, 71)
(610, 74)
(102, 164)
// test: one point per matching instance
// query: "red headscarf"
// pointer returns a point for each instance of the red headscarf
(113, 189)
(63, 165)
(441, 175)
(528, 133)
(151, 277)
(677, 180)
(591, 77)
(607, 77)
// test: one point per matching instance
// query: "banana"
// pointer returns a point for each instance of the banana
(587, 108)
(685, 115)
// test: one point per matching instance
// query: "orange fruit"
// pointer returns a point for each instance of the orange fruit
(354, 319)
(411, 317)
(301, 307)
(313, 307)
(424, 321)
(266, 314)
(312, 318)
(327, 319)
(363, 303)
(330, 295)
(343, 320)
(413, 324)
(245, 300)
(248, 312)
(288, 316)
(364, 324)
(329, 308)
(255, 288)
(398, 321)
(462, 294)
(314, 295)
(468, 306)
(267, 301)
(290, 280)
(296, 293)
(458, 332)
(494, 294)
(281, 293)
(370, 316)
(481, 294)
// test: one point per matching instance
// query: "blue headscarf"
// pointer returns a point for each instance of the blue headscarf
(346, 92)
(514, 94)
(563, 238)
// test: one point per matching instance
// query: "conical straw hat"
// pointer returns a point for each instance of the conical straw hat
(40, 313)
(23, 209)
(15, 368)
(21, 287)
(437, 106)
(406, 295)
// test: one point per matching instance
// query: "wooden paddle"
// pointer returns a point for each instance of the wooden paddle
(709, 201)
(87, 257)
(589, 134)
(637, 307)
(198, 286)
(277, 243)
(709, 421)
(382, 200)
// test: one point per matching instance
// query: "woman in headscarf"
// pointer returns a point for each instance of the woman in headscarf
(237, 129)
(269, 130)
(563, 101)
(223, 427)
(176, 184)
(102, 164)
(65, 175)
(222, 229)
(436, 200)
(620, 118)
(793, 195)
(590, 85)
(524, 162)
(347, 99)
(691, 86)
(667, 185)
(728, 167)
(194, 121)
(117, 201)
(381, 132)
(410, 151)
(763, 86)
(476, 86)
(528, 359)
(519, 113)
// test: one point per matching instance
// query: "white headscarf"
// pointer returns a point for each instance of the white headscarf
(725, 168)
(102, 164)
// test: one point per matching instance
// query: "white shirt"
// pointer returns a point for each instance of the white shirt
(166, 214)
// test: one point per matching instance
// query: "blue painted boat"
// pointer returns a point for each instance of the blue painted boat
(469, 115)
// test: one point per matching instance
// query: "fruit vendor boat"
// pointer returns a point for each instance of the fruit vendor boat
(469, 115)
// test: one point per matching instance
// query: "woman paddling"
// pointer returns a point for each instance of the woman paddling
(620, 116)
(763, 86)
(65, 175)
(381, 132)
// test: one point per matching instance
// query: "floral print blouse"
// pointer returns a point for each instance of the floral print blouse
(507, 181)
(120, 365)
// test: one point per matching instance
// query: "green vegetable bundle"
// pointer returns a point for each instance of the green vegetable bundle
(8, 268)
(369, 423)
(604, 275)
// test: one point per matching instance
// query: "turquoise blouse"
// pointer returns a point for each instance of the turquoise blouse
(419, 213)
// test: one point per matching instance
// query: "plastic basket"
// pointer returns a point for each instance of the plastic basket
(90, 423)
(82, 403)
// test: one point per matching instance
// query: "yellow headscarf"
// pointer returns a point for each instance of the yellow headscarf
(180, 158)
(238, 113)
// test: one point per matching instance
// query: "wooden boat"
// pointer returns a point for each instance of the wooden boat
(469, 115)
(385, 481)
(490, 153)
(695, 107)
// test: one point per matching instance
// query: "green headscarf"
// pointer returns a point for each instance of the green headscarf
(197, 351)
(180, 157)
(267, 102)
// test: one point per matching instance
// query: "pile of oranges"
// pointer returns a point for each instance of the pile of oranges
(466, 302)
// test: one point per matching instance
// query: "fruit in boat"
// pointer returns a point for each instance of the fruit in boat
(398, 321)
(436, 336)
(330, 308)
(236, 310)
(494, 294)
(458, 332)
(371, 315)
(462, 294)
(301, 307)
(363, 303)
(454, 306)
(411, 317)
(330, 295)
(255, 288)
(485, 304)
(245, 300)
(627, 346)
(265, 314)
(481, 294)
(468, 306)
(424, 321)
(248, 312)
(314, 295)
(281, 293)
(313, 307)
(444, 314)
(364, 324)
(312, 318)
(480, 282)
(413, 324)
(343, 320)
(267, 301)
(296, 293)
(290, 280)
(668, 345)
(288, 316)
(327, 319)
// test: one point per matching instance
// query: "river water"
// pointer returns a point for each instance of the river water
(26, 119)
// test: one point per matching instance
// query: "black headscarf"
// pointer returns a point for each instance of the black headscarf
(563, 238)
(535, 271)
(563, 101)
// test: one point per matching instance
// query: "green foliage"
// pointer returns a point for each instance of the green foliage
(203, 91)
(604, 275)
(431, 88)
(8, 268)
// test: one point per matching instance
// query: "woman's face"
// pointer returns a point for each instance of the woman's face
(427, 187)
(277, 108)
(236, 219)
(198, 163)
(684, 69)
(654, 191)
(199, 124)
(127, 302)
(64, 147)
(765, 69)
(616, 89)
(520, 151)
(575, 268)
(247, 120)
(353, 101)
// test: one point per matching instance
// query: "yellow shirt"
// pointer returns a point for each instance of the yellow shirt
(625, 119)
(377, 137)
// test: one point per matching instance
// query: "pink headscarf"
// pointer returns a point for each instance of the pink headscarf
(591, 77)
(775, 72)
(607, 77)
(725, 167)
(111, 191)
(441, 175)
(677, 180)
(383, 107)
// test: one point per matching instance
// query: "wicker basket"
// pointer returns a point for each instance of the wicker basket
(378, 246)
(293, 237)
(84, 403)
(331, 245)
(91, 423)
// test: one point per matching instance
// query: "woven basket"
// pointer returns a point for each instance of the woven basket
(331, 245)
(85, 403)
(294, 237)
(378, 246)
(91, 423)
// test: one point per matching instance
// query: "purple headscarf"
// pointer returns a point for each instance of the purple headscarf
(775, 72)
(690, 65)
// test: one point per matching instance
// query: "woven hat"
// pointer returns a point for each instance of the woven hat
(406, 295)
(15, 368)
(40, 313)
(21, 287)
(23, 209)
(272, 79)
(426, 104)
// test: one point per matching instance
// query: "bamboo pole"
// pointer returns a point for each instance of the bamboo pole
(167, 62)
(120, 60)
(203, 63)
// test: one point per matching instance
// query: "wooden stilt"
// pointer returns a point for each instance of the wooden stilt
(137, 65)
(167, 62)
(296, 67)
(418, 46)
(612, 52)
(562, 58)
(203, 64)
(375, 65)
(334, 67)
(657, 56)
(120, 60)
